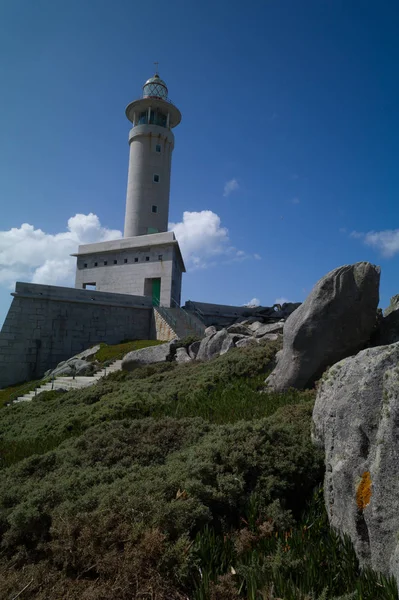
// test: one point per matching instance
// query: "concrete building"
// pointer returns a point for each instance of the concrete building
(147, 262)
(147, 265)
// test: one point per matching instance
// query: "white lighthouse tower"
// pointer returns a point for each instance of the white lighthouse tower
(147, 260)
(151, 143)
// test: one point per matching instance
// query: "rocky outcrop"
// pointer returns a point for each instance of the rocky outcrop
(356, 422)
(76, 365)
(216, 343)
(268, 328)
(147, 356)
(388, 325)
(335, 321)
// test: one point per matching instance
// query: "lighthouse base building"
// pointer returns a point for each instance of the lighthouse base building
(146, 265)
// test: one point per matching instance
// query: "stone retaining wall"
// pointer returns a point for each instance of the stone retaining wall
(48, 324)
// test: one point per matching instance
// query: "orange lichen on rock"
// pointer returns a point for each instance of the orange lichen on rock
(363, 494)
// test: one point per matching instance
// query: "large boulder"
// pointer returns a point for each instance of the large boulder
(335, 321)
(147, 356)
(356, 421)
(211, 330)
(182, 356)
(215, 344)
(193, 349)
(73, 367)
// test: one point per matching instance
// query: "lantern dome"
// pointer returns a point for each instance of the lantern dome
(155, 87)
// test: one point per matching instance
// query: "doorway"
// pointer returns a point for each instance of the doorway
(152, 287)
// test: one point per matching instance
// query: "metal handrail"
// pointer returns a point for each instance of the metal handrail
(197, 311)
(168, 318)
(191, 323)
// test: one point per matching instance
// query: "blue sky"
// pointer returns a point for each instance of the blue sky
(291, 104)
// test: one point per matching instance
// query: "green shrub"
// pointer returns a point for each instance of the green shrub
(70, 506)
(156, 390)
(171, 482)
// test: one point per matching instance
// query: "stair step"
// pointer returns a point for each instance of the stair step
(68, 383)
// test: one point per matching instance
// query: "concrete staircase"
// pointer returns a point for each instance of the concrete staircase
(184, 324)
(69, 383)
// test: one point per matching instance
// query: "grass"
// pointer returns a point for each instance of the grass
(109, 353)
(306, 562)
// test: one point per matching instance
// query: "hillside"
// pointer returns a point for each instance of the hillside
(171, 482)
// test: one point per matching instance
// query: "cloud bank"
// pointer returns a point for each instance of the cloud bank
(255, 302)
(203, 240)
(29, 254)
(385, 241)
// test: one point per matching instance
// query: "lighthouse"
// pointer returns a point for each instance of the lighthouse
(151, 142)
(147, 261)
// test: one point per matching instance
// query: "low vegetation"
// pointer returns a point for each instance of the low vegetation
(169, 483)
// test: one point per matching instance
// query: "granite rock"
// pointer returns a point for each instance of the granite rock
(356, 423)
(335, 321)
(147, 356)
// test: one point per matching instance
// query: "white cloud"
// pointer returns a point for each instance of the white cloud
(295, 200)
(281, 300)
(230, 186)
(386, 241)
(356, 235)
(257, 257)
(30, 254)
(253, 303)
(203, 240)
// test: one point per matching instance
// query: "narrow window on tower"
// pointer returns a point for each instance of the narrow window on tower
(125, 260)
(105, 263)
(147, 258)
(154, 208)
(115, 262)
(158, 148)
(85, 265)
(156, 178)
(136, 259)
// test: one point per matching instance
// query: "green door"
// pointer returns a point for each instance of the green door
(156, 291)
